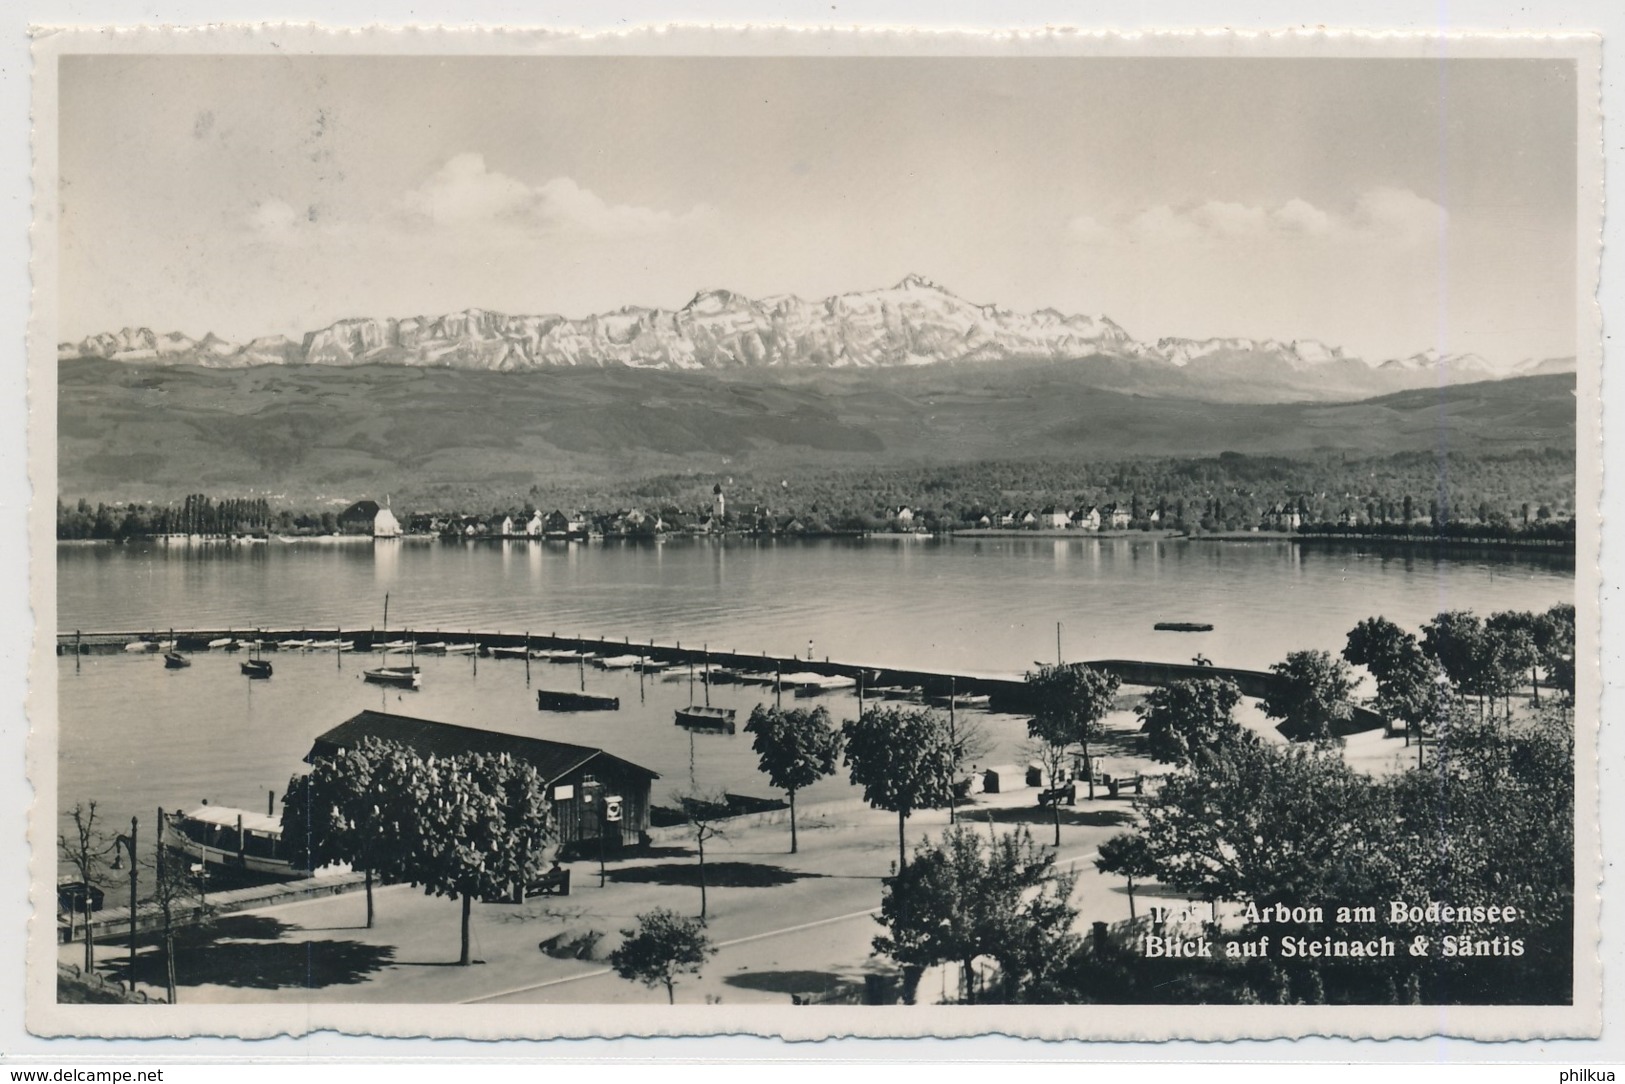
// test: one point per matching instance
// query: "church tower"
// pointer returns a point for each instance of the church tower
(719, 503)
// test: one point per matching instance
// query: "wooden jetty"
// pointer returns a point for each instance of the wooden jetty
(1007, 693)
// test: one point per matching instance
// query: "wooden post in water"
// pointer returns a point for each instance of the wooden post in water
(641, 659)
(581, 669)
(707, 651)
(386, 611)
(1057, 643)
(78, 650)
(778, 685)
(475, 654)
(860, 693)
(527, 658)
(338, 648)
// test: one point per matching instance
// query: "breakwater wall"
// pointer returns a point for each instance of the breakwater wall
(1006, 692)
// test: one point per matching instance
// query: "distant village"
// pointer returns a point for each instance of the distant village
(1321, 514)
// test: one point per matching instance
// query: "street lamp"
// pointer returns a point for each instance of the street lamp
(120, 842)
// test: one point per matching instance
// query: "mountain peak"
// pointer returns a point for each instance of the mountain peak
(912, 281)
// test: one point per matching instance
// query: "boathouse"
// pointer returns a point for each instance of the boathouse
(578, 777)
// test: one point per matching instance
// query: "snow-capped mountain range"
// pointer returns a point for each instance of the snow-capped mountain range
(915, 322)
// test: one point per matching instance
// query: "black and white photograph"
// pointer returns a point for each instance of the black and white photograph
(1091, 540)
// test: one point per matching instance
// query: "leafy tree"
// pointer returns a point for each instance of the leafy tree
(1126, 854)
(85, 849)
(1554, 638)
(1258, 822)
(1183, 720)
(904, 759)
(662, 946)
(1312, 694)
(1407, 680)
(1513, 650)
(1069, 702)
(966, 898)
(1456, 640)
(355, 807)
(482, 828)
(795, 749)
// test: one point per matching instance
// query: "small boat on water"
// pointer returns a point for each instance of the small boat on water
(174, 660)
(331, 645)
(569, 700)
(404, 677)
(507, 652)
(298, 645)
(138, 646)
(224, 838)
(256, 668)
(461, 649)
(811, 684)
(441, 647)
(1182, 626)
(394, 645)
(699, 717)
(616, 662)
(224, 643)
(651, 666)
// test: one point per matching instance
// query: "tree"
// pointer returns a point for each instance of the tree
(703, 811)
(85, 849)
(1407, 680)
(1127, 855)
(1310, 695)
(904, 759)
(483, 825)
(1069, 701)
(355, 807)
(795, 749)
(1259, 822)
(1512, 650)
(662, 946)
(1456, 640)
(1185, 719)
(1555, 640)
(174, 885)
(967, 897)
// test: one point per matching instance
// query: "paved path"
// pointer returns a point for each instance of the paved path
(785, 924)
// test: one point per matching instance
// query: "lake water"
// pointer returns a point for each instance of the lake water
(135, 736)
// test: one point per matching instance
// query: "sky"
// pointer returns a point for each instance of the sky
(1385, 206)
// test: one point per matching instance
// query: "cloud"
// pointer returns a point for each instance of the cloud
(1390, 215)
(464, 193)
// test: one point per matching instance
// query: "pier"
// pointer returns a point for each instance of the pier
(1005, 692)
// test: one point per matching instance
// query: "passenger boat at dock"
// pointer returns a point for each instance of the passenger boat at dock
(569, 700)
(698, 717)
(404, 677)
(223, 838)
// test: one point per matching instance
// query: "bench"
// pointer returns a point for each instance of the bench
(1058, 795)
(555, 882)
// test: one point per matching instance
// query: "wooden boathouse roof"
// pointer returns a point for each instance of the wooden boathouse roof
(426, 737)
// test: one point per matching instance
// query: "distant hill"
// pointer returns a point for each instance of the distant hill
(157, 432)
(915, 323)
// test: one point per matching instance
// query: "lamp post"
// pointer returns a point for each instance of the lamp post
(122, 841)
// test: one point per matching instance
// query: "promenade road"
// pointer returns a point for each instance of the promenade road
(786, 924)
